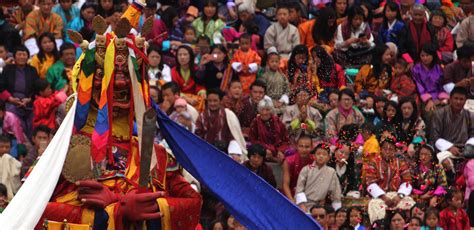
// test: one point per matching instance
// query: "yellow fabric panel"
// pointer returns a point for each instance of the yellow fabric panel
(110, 211)
(70, 198)
(75, 71)
(53, 225)
(88, 216)
(165, 211)
(133, 16)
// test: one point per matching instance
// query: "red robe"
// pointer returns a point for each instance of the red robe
(246, 58)
(44, 110)
(187, 87)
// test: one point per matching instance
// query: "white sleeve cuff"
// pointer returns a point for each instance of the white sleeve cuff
(405, 189)
(374, 190)
(59, 42)
(300, 198)
(253, 67)
(443, 144)
(237, 66)
(449, 87)
(470, 141)
(30, 43)
(336, 205)
(285, 99)
(195, 187)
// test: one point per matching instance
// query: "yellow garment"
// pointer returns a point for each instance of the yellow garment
(42, 67)
(371, 149)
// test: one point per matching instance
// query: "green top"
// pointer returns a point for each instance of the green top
(212, 29)
(55, 76)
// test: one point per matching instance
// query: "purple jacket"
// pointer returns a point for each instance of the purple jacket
(429, 82)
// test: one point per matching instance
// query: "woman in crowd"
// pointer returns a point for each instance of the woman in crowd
(340, 7)
(48, 54)
(411, 124)
(209, 23)
(157, 70)
(443, 35)
(83, 24)
(344, 114)
(374, 78)
(329, 73)
(215, 70)
(298, 74)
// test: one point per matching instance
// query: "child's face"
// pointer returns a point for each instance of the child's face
(322, 157)
(4, 148)
(203, 47)
(180, 108)
(391, 112)
(304, 146)
(331, 219)
(333, 98)
(65, 4)
(218, 55)
(3, 53)
(154, 58)
(342, 154)
(390, 14)
(437, 21)
(431, 221)
(210, 11)
(456, 201)
(387, 57)
(47, 45)
(426, 58)
(425, 156)
(46, 92)
(341, 218)
(283, 15)
(300, 59)
(236, 90)
(357, 21)
(379, 106)
(106, 4)
(189, 36)
(256, 160)
(355, 218)
(273, 62)
(244, 44)
(414, 224)
(399, 69)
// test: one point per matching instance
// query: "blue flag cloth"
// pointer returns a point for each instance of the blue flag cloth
(250, 199)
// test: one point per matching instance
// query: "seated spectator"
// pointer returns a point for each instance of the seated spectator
(420, 33)
(60, 73)
(82, 23)
(41, 138)
(431, 220)
(395, 220)
(233, 99)
(106, 9)
(414, 223)
(354, 40)
(19, 99)
(318, 212)
(293, 164)
(411, 124)
(247, 13)
(459, 72)
(169, 95)
(319, 31)
(344, 114)
(469, 194)
(295, 16)
(46, 104)
(427, 75)
(402, 84)
(454, 216)
(354, 218)
(430, 184)
(316, 181)
(209, 23)
(160, 34)
(256, 164)
(10, 37)
(268, 130)
(464, 33)
(9, 168)
(157, 69)
(390, 120)
(282, 35)
(47, 55)
(341, 7)
(331, 213)
(249, 109)
(215, 71)
(341, 217)
(393, 28)
(184, 74)
(374, 78)
(18, 15)
(452, 125)
(299, 75)
(276, 81)
(293, 112)
(11, 125)
(246, 63)
(443, 35)
(348, 173)
(329, 73)
(42, 21)
(216, 123)
(67, 11)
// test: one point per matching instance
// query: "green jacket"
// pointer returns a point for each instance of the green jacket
(55, 76)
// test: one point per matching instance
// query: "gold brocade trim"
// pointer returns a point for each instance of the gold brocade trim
(165, 211)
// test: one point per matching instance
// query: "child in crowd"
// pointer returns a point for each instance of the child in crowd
(431, 220)
(454, 217)
(277, 83)
(402, 85)
(341, 217)
(203, 45)
(256, 164)
(10, 124)
(48, 54)
(233, 99)
(428, 76)
(157, 69)
(246, 63)
(9, 168)
(46, 104)
(354, 216)
(316, 181)
(4, 58)
(189, 36)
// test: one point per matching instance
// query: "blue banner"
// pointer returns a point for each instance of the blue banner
(249, 198)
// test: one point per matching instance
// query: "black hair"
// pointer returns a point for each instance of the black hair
(204, 38)
(222, 48)
(87, 5)
(348, 132)
(21, 48)
(42, 128)
(430, 49)
(393, 213)
(2, 105)
(251, 27)
(370, 15)
(105, 13)
(151, 4)
(322, 146)
(213, 3)
(347, 92)
(259, 83)
(452, 191)
(348, 214)
(354, 11)
(41, 85)
(155, 48)
(333, 5)
(221, 145)
(292, 66)
(282, 5)
(341, 210)
(430, 211)
(5, 139)
(414, 116)
(246, 36)
(377, 62)
(329, 209)
(322, 32)
(256, 149)
(216, 91)
(168, 15)
(41, 53)
(402, 62)
(294, 5)
(369, 127)
(393, 104)
(416, 218)
(317, 206)
(441, 14)
(304, 135)
(465, 52)
(42, 1)
(459, 90)
(3, 190)
(66, 46)
(173, 86)
(191, 57)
